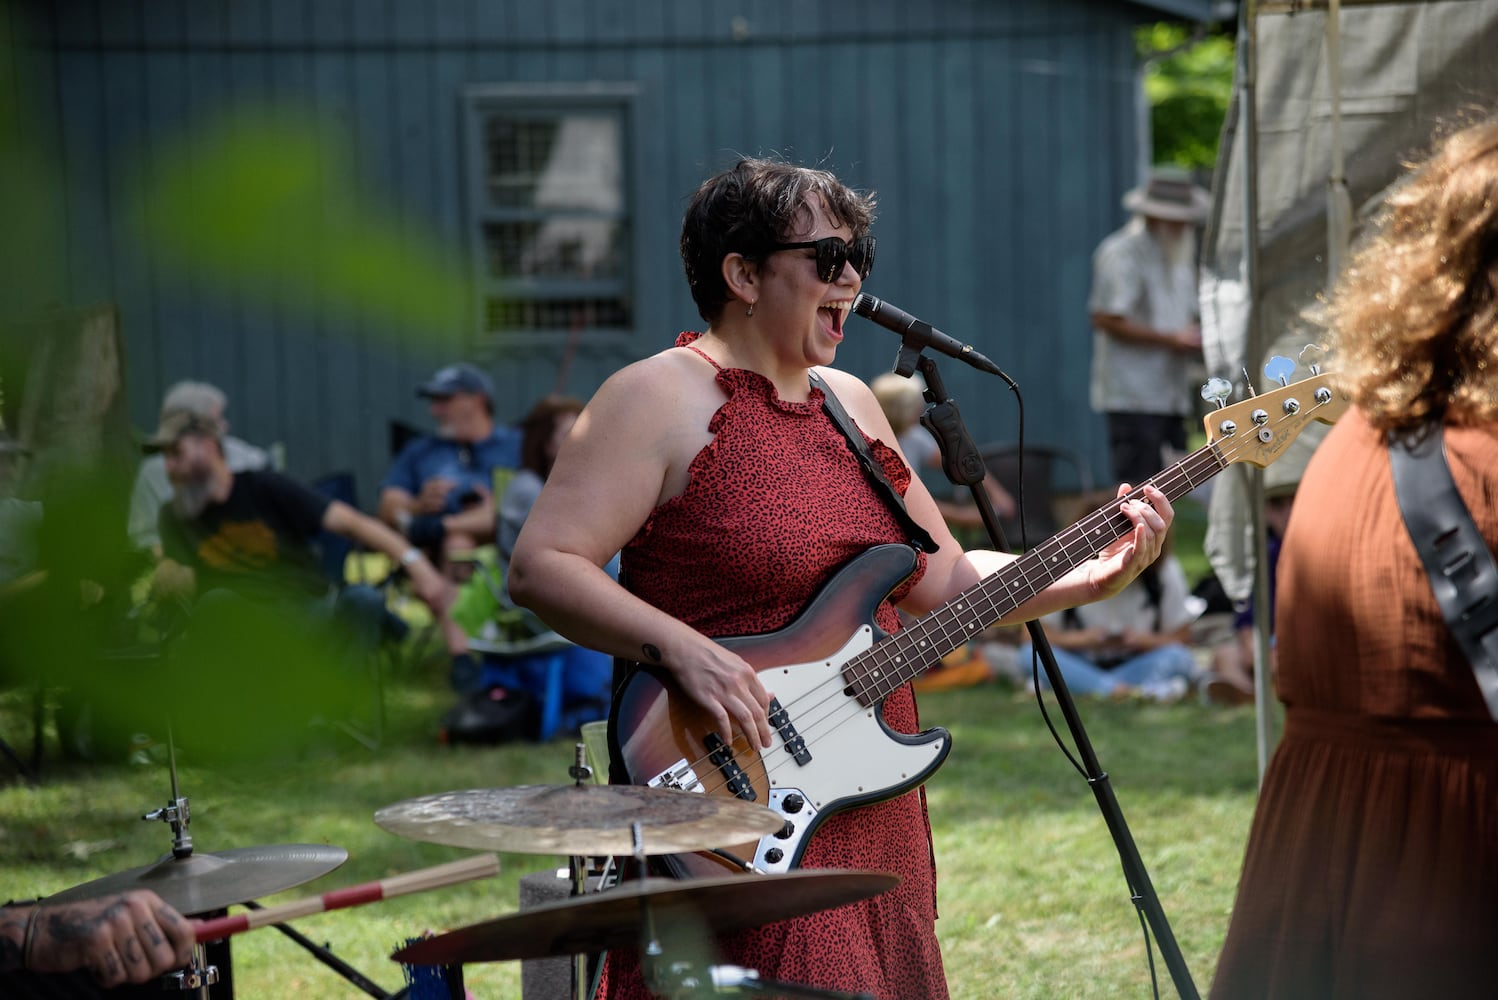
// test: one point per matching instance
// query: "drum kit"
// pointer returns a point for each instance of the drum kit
(586, 821)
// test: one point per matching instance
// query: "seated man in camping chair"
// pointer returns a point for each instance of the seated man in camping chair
(510, 646)
(238, 551)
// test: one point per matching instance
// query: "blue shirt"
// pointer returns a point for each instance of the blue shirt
(469, 466)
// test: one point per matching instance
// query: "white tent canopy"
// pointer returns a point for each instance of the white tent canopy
(1405, 70)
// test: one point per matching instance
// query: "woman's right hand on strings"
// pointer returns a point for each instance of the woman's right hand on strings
(728, 689)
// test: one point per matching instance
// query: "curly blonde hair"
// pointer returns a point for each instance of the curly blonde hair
(1414, 315)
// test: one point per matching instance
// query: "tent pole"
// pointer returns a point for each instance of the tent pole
(1254, 352)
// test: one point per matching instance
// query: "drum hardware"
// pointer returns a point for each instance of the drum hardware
(199, 883)
(627, 915)
(198, 976)
(581, 773)
(611, 918)
(588, 823)
(452, 873)
(578, 819)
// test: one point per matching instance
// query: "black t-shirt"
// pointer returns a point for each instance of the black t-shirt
(258, 542)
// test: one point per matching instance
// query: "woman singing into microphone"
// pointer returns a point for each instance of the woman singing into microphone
(733, 496)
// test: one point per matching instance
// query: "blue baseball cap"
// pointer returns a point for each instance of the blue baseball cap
(454, 379)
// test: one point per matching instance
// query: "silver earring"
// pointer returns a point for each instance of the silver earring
(750, 310)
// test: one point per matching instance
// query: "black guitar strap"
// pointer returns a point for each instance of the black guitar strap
(1460, 565)
(919, 537)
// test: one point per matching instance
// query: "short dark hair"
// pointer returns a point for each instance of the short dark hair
(536, 430)
(749, 207)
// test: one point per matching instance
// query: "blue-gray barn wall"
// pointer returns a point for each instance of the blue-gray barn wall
(999, 137)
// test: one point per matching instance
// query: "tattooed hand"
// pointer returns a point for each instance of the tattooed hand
(132, 937)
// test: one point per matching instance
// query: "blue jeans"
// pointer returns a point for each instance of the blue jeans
(1150, 671)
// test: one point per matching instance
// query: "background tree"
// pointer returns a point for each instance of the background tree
(1188, 80)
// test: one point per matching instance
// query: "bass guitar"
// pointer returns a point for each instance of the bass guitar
(832, 667)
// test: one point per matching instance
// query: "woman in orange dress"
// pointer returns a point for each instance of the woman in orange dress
(1372, 864)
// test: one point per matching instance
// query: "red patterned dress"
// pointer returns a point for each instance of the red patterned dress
(774, 506)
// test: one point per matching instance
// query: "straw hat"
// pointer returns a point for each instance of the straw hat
(1169, 194)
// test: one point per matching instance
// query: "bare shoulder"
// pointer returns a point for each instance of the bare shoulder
(664, 390)
(646, 375)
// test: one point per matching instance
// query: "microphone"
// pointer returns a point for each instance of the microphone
(919, 334)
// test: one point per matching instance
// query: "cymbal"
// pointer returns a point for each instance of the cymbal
(578, 819)
(203, 882)
(611, 919)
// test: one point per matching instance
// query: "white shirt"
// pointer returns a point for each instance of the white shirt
(1130, 608)
(1132, 278)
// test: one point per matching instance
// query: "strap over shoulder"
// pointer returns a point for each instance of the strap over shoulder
(1456, 557)
(919, 537)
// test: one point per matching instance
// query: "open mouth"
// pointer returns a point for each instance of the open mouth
(836, 313)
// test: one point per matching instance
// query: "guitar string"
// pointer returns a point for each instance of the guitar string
(919, 633)
(1211, 459)
(881, 684)
(877, 684)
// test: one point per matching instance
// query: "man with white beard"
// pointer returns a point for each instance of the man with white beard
(1145, 320)
(279, 648)
(152, 487)
(251, 533)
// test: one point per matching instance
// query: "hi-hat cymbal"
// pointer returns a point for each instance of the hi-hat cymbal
(612, 918)
(578, 819)
(204, 882)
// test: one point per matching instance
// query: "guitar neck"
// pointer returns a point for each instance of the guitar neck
(877, 672)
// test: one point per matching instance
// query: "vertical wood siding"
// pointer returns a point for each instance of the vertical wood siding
(999, 136)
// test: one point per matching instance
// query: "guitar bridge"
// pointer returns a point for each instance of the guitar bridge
(734, 777)
(795, 743)
(678, 776)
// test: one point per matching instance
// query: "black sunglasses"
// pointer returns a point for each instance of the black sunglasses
(833, 253)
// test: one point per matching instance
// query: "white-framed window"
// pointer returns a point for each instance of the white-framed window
(550, 211)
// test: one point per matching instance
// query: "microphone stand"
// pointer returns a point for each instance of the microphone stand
(963, 465)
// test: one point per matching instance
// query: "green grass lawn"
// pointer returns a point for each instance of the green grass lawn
(1032, 899)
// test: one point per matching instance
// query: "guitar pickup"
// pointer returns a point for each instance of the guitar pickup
(795, 743)
(734, 777)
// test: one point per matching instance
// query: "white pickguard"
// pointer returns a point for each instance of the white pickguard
(854, 757)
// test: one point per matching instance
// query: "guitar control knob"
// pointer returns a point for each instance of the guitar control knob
(774, 856)
(793, 803)
(785, 832)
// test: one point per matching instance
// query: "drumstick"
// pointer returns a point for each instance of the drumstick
(478, 866)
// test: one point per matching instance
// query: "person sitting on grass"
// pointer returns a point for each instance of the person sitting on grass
(1134, 643)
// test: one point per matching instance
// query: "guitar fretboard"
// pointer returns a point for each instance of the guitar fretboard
(878, 671)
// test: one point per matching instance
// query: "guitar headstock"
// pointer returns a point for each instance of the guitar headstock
(1258, 430)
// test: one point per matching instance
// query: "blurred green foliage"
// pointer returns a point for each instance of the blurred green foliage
(264, 202)
(1189, 83)
(265, 205)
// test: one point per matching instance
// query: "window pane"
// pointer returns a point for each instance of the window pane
(557, 314)
(589, 249)
(567, 163)
(551, 213)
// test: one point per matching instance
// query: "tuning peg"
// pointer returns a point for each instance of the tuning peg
(1279, 369)
(1315, 351)
(1217, 390)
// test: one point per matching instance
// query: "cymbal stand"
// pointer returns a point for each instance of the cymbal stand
(176, 812)
(200, 973)
(679, 980)
(582, 773)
